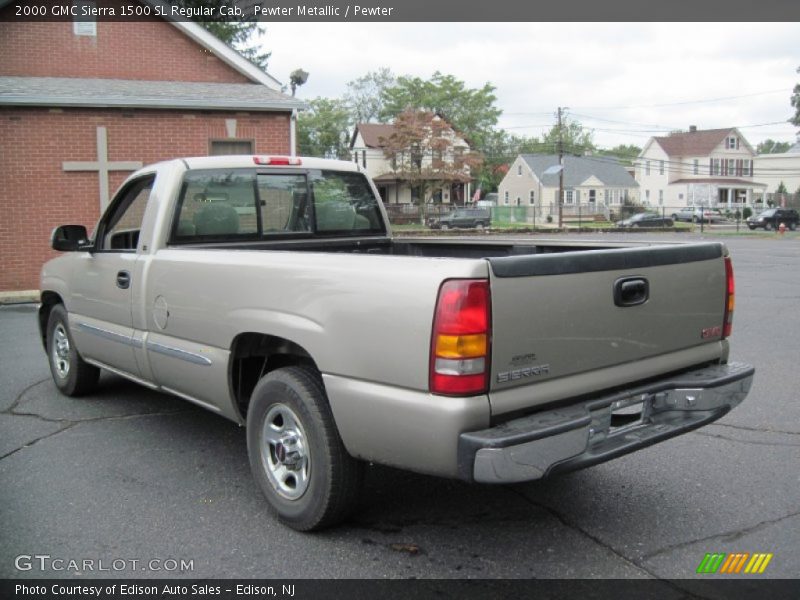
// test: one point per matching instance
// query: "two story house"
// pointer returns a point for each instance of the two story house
(368, 146)
(698, 168)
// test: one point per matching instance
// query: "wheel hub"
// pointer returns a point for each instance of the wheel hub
(60, 351)
(285, 453)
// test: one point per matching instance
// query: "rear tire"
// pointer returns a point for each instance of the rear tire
(296, 454)
(72, 375)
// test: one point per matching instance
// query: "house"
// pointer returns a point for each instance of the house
(368, 146)
(595, 183)
(84, 103)
(699, 167)
(774, 169)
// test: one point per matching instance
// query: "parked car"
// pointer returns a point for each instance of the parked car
(696, 214)
(646, 219)
(773, 217)
(463, 217)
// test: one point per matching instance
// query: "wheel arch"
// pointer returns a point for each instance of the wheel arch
(48, 301)
(253, 355)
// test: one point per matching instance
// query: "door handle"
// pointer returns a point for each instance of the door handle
(631, 291)
(123, 280)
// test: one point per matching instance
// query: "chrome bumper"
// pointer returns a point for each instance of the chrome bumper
(585, 434)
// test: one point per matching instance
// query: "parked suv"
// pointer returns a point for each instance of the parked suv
(696, 214)
(462, 217)
(773, 217)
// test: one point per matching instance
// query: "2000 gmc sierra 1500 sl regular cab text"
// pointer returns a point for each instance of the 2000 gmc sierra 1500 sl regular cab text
(270, 290)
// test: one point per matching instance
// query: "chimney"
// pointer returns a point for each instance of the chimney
(692, 128)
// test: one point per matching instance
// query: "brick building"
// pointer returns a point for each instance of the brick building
(83, 104)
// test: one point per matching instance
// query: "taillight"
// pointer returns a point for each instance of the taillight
(730, 289)
(277, 160)
(460, 340)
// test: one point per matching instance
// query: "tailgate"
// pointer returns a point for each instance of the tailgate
(563, 314)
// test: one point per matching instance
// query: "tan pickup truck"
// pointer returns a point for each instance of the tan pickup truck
(271, 291)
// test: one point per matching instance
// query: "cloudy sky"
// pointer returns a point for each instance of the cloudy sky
(626, 81)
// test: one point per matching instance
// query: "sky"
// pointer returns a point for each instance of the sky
(626, 81)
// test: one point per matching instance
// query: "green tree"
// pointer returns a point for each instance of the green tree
(626, 153)
(796, 103)
(322, 130)
(471, 111)
(499, 150)
(575, 138)
(781, 189)
(769, 146)
(237, 34)
(364, 96)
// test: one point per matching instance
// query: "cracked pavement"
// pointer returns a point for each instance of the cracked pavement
(131, 473)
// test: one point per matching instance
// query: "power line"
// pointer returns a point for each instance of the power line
(685, 102)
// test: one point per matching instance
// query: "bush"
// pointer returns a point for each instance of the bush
(549, 218)
(747, 212)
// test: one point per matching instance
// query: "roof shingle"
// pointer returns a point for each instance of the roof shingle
(577, 169)
(693, 143)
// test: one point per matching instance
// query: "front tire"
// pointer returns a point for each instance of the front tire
(72, 375)
(767, 226)
(296, 454)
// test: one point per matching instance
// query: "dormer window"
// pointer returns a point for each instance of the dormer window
(732, 143)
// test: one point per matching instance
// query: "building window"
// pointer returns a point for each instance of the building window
(731, 167)
(660, 197)
(364, 158)
(568, 194)
(532, 197)
(680, 196)
(647, 167)
(647, 196)
(748, 168)
(607, 196)
(226, 147)
(86, 25)
(519, 169)
(505, 198)
(695, 167)
(661, 167)
(733, 143)
(519, 201)
(714, 167)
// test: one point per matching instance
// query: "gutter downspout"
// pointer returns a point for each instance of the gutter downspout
(293, 133)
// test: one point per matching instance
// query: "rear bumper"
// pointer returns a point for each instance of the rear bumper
(581, 435)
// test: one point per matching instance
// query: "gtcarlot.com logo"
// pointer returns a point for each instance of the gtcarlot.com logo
(45, 562)
(737, 563)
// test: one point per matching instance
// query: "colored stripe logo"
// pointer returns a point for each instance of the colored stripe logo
(735, 563)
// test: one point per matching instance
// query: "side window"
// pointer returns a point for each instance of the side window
(120, 230)
(217, 203)
(344, 203)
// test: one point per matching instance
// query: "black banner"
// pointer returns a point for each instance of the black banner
(319, 589)
(402, 10)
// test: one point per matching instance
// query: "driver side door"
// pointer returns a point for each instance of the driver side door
(103, 284)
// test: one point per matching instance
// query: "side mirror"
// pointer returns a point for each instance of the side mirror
(70, 238)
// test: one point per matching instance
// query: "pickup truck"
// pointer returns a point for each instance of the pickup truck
(270, 290)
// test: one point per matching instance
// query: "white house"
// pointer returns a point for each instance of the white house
(367, 148)
(774, 169)
(592, 181)
(699, 167)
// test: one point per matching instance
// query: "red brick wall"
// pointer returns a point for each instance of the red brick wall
(152, 50)
(36, 194)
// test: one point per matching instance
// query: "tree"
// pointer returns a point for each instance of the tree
(796, 103)
(237, 34)
(322, 130)
(781, 188)
(626, 153)
(364, 96)
(422, 151)
(500, 148)
(769, 146)
(471, 111)
(575, 139)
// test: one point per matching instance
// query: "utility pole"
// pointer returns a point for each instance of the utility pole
(560, 171)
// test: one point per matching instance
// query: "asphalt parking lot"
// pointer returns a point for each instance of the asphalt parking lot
(135, 475)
